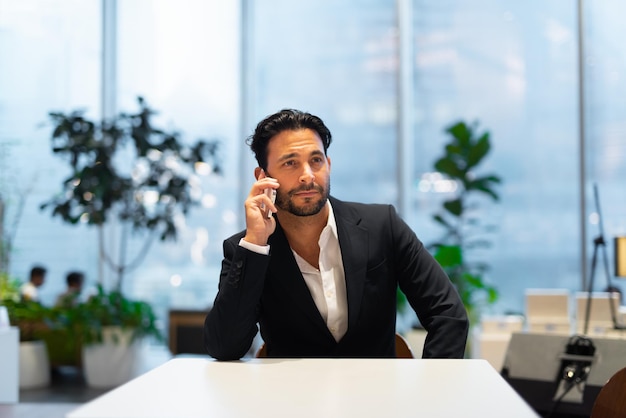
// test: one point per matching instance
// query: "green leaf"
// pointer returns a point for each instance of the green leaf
(484, 184)
(448, 167)
(454, 206)
(478, 151)
(461, 132)
(449, 255)
(401, 301)
(440, 220)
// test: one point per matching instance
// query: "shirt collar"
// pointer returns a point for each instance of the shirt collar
(331, 219)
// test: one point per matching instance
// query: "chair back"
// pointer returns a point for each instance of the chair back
(611, 401)
(403, 350)
(262, 352)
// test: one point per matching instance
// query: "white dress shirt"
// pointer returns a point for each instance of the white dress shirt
(328, 284)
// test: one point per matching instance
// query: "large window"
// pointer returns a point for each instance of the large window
(336, 61)
(183, 58)
(512, 68)
(605, 146)
(213, 69)
(51, 60)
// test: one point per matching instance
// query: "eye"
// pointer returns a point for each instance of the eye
(317, 161)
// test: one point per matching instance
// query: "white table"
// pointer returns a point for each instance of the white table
(196, 387)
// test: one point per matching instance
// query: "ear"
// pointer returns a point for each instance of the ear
(328, 159)
(259, 173)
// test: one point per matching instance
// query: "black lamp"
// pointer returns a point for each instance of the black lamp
(600, 244)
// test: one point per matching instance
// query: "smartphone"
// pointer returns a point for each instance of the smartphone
(271, 193)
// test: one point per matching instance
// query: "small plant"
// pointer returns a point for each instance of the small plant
(9, 288)
(459, 215)
(30, 317)
(86, 320)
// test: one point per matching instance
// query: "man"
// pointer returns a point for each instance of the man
(70, 297)
(319, 275)
(29, 291)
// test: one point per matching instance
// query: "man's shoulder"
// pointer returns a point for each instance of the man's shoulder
(360, 208)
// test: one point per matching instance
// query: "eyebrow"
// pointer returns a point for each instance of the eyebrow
(295, 154)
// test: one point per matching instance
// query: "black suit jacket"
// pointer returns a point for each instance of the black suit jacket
(379, 253)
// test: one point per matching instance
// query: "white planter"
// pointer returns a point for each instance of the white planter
(113, 362)
(34, 365)
(9, 364)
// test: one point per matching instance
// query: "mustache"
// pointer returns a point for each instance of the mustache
(306, 188)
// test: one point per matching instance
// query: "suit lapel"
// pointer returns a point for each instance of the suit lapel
(286, 274)
(353, 241)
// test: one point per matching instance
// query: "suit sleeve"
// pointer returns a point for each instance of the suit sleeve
(231, 324)
(430, 293)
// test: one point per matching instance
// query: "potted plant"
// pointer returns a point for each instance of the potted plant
(157, 183)
(109, 327)
(459, 215)
(31, 318)
(28, 316)
(105, 309)
(126, 169)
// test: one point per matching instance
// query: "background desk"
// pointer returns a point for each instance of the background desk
(201, 387)
(186, 328)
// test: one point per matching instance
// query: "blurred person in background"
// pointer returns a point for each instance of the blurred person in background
(29, 291)
(70, 297)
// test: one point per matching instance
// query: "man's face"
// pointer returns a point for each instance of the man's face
(297, 160)
(38, 280)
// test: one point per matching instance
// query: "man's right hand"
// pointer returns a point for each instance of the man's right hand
(258, 225)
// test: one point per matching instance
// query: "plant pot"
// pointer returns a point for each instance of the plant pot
(9, 364)
(34, 365)
(63, 348)
(112, 362)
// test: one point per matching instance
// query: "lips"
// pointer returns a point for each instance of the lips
(308, 192)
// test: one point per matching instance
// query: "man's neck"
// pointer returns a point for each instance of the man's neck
(303, 232)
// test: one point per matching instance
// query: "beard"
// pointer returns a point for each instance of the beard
(310, 207)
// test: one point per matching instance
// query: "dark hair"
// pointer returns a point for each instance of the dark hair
(285, 120)
(74, 277)
(38, 271)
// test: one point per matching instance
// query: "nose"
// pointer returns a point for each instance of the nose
(307, 174)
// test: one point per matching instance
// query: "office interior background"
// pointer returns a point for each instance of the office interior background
(545, 78)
